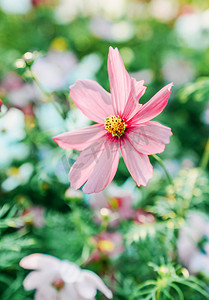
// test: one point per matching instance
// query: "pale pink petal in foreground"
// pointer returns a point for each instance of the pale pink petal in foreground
(105, 168)
(85, 164)
(92, 100)
(66, 281)
(138, 164)
(154, 106)
(132, 105)
(80, 139)
(120, 81)
(127, 126)
(149, 138)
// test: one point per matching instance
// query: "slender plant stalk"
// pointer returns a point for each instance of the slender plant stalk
(161, 163)
(205, 157)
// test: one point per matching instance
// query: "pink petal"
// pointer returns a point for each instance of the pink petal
(105, 168)
(89, 285)
(149, 137)
(92, 100)
(83, 167)
(80, 139)
(138, 164)
(39, 261)
(120, 81)
(153, 107)
(132, 105)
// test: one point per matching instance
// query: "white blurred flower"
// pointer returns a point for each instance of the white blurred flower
(56, 279)
(12, 130)
(53, 70)
(76, 120)
(68, 10)
(193, 29)
(49, 118)
(113, 9)
(177, 70)
(16, 6)
(194, 233)
(164, 10)
(17, 176)
(145, 74)
(87, 68)
(111, 31)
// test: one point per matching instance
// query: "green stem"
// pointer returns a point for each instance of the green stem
(161, 163)
(205, 157)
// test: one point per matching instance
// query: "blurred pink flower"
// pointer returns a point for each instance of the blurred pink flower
(124, 125)
(142, 217)
(20, 94)
(112, 205)
(34, 215)
(107, 244)
(1, 103)
(56, 279)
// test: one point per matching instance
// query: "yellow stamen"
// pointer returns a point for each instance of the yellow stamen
(114, 203)
(105, 245)
(115, 125)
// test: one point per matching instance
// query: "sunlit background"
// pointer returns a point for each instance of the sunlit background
(45, 46)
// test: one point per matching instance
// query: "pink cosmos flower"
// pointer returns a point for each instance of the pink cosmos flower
(123, 125)
(56, 279)
(107, 244)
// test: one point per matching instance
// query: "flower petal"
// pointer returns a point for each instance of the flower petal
(120, 81)
(39, 261)
(39, 279)
(83, 167)
(138, 164)
(149, 137)
(132, 105)
(90, 283)
(153, 107)
(92, 100)
(80, 139)
(46, 293)
(33, 280)
(105, 168)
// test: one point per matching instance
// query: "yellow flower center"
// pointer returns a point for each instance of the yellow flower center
(105, 245)
(115, 125)
(114, 203)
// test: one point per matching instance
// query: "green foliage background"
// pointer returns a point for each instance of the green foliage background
(69, 222)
